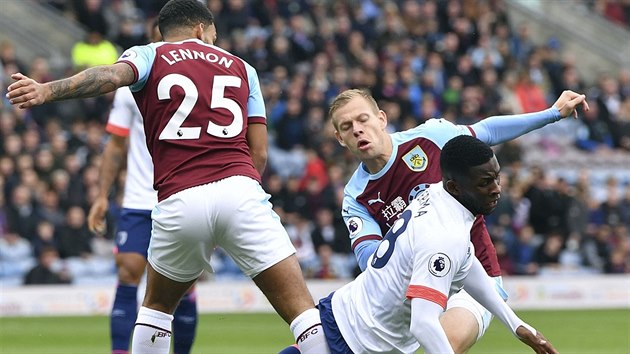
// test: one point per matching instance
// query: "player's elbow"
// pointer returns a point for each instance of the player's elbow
(420, 328)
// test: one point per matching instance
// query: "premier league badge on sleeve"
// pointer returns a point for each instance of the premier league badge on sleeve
(439, 264)
(129, 54)
(355, 225)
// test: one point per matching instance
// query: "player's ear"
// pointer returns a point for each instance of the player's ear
(451, 187)
(198, 31)
(382, 117)
(339, 139)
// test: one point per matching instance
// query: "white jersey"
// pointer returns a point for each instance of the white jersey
(426, 254)
(125, 120)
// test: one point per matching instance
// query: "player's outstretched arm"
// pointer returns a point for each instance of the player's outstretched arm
(26, 92)
(426, 327)
(499, 129)
(481, 288)
(569, 101)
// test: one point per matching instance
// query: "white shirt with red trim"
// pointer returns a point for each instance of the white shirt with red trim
(125, 120)
(426, 254)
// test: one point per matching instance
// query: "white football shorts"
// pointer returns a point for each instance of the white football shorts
(233, 213)
(483, 316)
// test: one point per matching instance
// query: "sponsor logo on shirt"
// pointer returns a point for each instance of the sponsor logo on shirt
(377, 200)
(439, 264)
(416, 159)
(417, 190)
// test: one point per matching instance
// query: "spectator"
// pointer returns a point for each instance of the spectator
(597, 248)
(523, 252)
(16, 257)
(49, 270)
(548, 253)
(94, 50)
(22, 213)
(74, 238)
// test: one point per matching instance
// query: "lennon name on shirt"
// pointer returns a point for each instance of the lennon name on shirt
(174, 56)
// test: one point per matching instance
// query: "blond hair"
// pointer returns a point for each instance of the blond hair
(344, 97)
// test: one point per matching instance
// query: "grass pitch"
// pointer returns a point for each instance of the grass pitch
(571, 332)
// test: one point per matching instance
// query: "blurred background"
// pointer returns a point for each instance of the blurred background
(565, 209)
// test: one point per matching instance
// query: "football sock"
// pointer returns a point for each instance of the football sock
(309, 333)
(185, 324)
(152, 333)
(290, 350)
(122, 317)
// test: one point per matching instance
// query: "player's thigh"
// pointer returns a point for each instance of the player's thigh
(252, 233)
(132, 242)
(182, 239)
(470, 312)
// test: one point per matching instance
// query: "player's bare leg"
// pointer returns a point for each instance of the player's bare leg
(152, 333)
(285, 288)
(461, 328)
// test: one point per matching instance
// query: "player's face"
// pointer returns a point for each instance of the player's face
(360, 129)
(480, 192)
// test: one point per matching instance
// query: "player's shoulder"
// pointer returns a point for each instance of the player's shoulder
(438, 130)
(357, 183)
(141, 50)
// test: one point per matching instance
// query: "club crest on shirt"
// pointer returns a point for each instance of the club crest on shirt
(439, 264)
(355, 224)
(416, 159)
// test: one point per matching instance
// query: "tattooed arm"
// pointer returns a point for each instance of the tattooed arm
(26, 92)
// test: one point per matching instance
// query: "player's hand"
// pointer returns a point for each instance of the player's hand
(25, 92)
(536, 341)
(96, 216)
(569, 101)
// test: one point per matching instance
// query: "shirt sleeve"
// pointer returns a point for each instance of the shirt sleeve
(255, 104)
(439, 131)
(140, 58)
(365, 233)
(426, 327)
(498, 129)
(434, 268)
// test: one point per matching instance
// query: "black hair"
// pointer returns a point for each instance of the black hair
(183, 13)
(461, 153)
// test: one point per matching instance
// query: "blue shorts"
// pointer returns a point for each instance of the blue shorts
(134, 231)
(336, 343)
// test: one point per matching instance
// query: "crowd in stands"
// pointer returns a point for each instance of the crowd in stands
(457, 59)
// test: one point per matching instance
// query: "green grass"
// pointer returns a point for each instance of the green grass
(572, 332)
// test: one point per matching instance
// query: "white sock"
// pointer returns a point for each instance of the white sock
(309, 333)
(152, 333)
